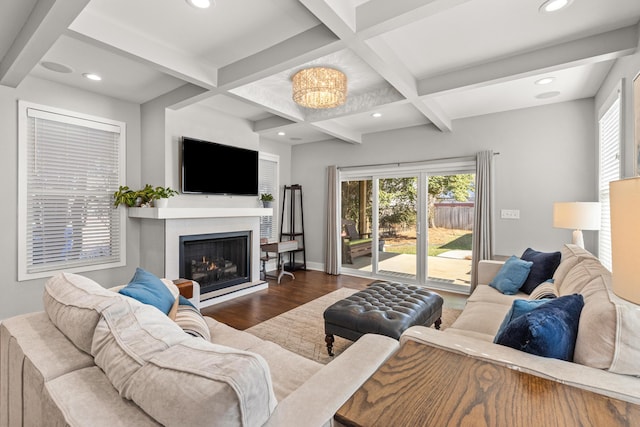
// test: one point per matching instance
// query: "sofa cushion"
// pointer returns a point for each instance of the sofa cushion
(74, 303)
(127, 336)
(571, 255)
(481, 317)
(549, 330)
(86, 398)
(149, 289)
(215, 385)
(512, 275)
(544, 265)
(580, 276)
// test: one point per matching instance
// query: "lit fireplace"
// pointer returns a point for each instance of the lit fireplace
(218, 261)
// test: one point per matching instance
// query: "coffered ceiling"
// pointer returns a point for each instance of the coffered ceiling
(417, 62)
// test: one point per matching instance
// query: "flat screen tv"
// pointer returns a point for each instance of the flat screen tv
(212, 168)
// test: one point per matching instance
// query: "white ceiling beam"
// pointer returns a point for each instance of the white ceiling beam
(385, 63)
(110, 35)
(47, 21)
(304, 47)
(271, 124)
(376, 17)
(338, 132)
(180, 96)
(601, 47)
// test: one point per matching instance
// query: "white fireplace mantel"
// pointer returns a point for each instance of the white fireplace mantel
(163, 227)
(187, 213)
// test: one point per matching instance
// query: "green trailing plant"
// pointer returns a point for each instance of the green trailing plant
(131, 198)
(163, 193)
(266, 197)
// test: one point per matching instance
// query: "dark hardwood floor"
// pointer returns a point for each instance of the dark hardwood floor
(249, 310)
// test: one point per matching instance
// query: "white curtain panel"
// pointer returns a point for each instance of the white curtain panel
(482, 245)
(331, 261)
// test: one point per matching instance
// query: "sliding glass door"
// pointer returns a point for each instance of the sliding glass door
(450, 209)
(413, 226)
(398, 227)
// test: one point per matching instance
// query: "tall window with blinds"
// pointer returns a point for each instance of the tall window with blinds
(70, 165)
(268, 183)
(609, 127)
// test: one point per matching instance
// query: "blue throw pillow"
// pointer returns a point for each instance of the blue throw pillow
(518, 308)
(511, 276)
(149, 289)
(544, 265)
(549, 330)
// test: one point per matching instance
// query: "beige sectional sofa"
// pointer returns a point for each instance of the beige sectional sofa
(97, 358)
(607, 350)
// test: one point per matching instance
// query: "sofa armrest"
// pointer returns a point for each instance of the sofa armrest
(618, 386)
(487, 270)
(316, 401)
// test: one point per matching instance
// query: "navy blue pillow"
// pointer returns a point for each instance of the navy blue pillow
(549, 330)
(511, 275)
(149, 289)
(518, 308)
(544, 265)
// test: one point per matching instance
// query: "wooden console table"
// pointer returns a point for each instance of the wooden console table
(425, 386)
(280, 248)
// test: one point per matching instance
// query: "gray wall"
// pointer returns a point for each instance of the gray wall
(21, 297)
(547, 154)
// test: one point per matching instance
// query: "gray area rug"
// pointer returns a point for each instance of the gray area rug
(301, 330)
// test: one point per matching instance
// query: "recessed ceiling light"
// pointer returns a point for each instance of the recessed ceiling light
(295, 139)
(546, 95)
(281, 133)
(554, 5)
(545, 81)
(376, 115)
(200, 4)
(92, 76)
(58, 68)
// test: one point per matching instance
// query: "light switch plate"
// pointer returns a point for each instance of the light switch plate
(510, 214)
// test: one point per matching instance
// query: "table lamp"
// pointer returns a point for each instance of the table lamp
(577, 216)
(625, 238)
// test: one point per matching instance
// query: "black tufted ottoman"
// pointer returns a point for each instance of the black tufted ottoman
(385, 308)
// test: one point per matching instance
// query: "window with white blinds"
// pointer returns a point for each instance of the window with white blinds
(70, 166)
(609, 126)
(268, 183)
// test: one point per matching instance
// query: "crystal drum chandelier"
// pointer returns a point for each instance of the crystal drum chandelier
(319, 87)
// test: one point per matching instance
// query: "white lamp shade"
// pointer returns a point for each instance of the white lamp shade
(625, 238)
(577, 215)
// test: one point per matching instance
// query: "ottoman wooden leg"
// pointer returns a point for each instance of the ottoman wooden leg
(329, 340)
(437, 323)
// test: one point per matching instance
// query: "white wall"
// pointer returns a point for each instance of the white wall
(162, 132)
(547, 154)
(21, 297)
(625, 69)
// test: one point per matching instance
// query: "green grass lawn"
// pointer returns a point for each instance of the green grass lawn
(462, 242)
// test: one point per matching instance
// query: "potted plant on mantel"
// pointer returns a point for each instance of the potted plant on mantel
(144, 197)
(161, 196)
(266, 199)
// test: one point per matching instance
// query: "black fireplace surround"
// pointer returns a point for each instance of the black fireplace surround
(217, 260)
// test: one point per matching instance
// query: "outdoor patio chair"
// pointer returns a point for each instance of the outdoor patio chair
(354, 244)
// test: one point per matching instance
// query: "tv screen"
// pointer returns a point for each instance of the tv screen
(212, 168)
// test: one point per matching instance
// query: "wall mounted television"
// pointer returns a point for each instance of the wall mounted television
(213, 168)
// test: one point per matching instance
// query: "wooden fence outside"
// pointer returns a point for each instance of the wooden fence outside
(458, 216)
